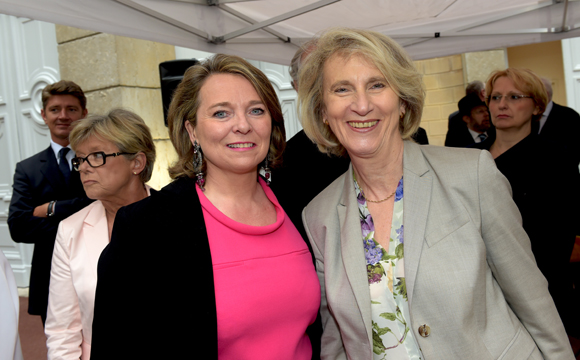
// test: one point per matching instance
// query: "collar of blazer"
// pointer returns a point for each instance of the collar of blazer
(417, 190)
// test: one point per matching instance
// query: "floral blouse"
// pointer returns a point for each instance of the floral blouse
(386, 276)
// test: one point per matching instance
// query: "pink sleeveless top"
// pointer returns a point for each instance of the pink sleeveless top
(267, 291)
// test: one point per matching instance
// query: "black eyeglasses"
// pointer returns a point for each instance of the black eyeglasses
(95, 159)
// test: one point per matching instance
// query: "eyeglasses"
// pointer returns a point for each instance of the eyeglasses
(95, 159)
(509, 98)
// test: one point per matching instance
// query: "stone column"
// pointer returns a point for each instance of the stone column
(117, 71)
(480, 64)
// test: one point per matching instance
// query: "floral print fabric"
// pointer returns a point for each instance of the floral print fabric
(392, 337)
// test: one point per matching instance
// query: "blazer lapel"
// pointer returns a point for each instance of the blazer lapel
(352, 250)
(417, 185)
(96, 236)
(49, 169)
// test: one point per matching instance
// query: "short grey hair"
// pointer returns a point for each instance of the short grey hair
(474, 87)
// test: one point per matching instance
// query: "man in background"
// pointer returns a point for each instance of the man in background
(560, 124)
(475, 115)
(46, 190)
(457, 130)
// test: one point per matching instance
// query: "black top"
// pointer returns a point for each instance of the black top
(545, 185)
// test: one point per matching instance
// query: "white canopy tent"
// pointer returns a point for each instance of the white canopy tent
(270, 30)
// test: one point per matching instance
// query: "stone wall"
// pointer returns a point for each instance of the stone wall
(443, 78)
(116, 71)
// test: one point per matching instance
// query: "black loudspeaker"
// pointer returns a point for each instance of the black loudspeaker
(171, 72)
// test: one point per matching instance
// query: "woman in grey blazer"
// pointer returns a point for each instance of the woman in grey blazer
(419, 250)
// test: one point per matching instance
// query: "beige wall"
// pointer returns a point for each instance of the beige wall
(116, 71)
(545, 59)
(443, 78)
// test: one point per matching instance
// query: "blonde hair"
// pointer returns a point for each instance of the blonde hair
(381, 51)
(186, 101)
(524, 80)
(123, 128)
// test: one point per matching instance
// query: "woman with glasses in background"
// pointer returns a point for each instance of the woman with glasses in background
(535, 168)
(115, 157)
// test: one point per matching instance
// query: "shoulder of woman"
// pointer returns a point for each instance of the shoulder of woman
(448, 158)
(77, 218)
(173, 202)
(329, 197)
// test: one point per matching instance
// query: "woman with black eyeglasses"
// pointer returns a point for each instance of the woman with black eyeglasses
(543, 178)
(115, 157)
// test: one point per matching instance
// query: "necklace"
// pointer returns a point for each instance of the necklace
(373, 201)
(376, 201)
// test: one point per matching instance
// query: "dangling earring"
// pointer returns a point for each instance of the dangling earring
(267, 171)
(197, 165)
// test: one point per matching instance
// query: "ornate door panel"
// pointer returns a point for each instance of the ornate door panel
(28, 62)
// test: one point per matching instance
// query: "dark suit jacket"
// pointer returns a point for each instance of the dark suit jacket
(457, 133)
(38, 180)
(141, 311)
(563, 127)
(304, 174)
(420, 137)
(458, 138)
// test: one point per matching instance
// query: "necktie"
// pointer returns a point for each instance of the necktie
(482, 137)
(63, 163)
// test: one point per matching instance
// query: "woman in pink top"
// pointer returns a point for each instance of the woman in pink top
(251, 286)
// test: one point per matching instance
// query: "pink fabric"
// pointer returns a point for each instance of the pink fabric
(267, 290)
(73, 281)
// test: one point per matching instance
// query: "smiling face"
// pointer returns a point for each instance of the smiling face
(233, 125)
(510, 114)
(361, 108)
(60, 112)
(107, 182)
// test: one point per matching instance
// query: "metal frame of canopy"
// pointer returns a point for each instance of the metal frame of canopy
(415, 38)
(270, 30)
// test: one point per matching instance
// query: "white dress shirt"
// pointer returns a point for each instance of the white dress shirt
(56, 148)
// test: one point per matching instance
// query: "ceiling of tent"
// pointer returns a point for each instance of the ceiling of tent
(271, 30)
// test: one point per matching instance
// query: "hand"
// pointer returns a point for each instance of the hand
(40, 210)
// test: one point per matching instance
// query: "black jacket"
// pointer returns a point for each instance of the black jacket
(151, 305)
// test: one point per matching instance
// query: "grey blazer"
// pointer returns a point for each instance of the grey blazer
(470, 273)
